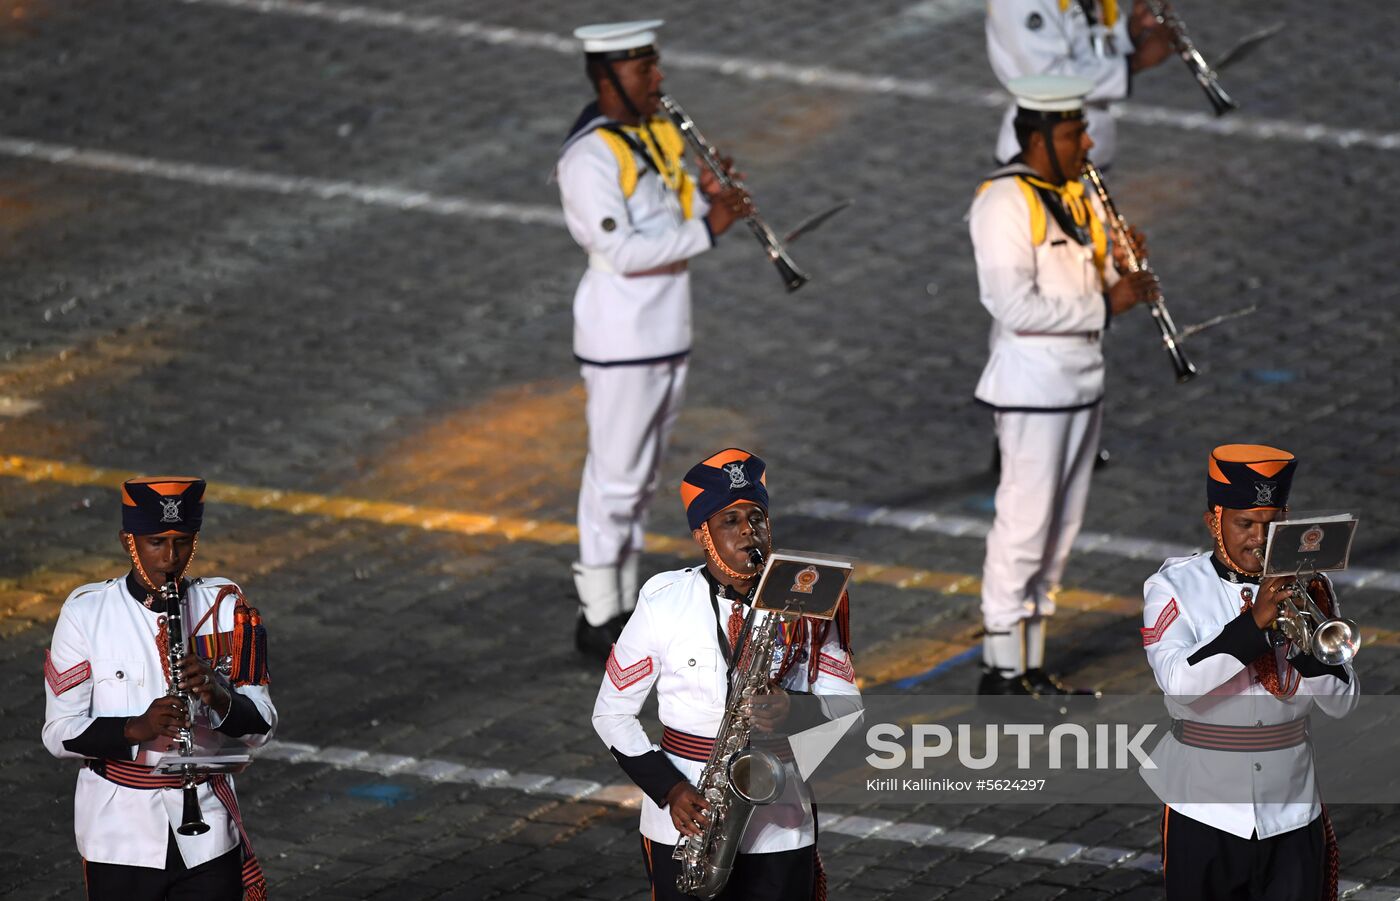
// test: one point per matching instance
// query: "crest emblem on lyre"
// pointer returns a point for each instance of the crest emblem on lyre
(1264, 493)
(170, 509)
(737, 477)
(1311, 540)
(805, 579)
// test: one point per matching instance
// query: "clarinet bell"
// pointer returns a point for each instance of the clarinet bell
(193, 821)
(793, 278)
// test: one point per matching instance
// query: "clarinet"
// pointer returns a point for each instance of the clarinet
(793, 278)
(1171, 338)
(193, 821)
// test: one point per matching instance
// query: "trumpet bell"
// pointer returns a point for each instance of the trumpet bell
(1335, 642)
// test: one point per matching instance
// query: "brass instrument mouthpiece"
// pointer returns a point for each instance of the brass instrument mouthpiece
(755, 558)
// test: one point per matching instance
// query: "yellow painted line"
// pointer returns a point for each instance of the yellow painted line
(36, 597)
(438, 519)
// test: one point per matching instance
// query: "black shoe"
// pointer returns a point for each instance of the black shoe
(594, 642)
(1045, 685)
(1102, 459)
(617, 624)
(995, 684)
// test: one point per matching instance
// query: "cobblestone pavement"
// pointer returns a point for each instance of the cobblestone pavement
(239, 294)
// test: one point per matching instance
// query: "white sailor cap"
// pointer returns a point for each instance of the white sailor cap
(1050, 93)
(620, 40)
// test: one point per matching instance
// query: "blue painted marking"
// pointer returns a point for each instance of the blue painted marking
(952, 662)
(1271, 376)
(982, 503)
(382, 792)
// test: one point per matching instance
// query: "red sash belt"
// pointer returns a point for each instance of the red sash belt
(1215, 737)
(697, 747)
(134, 775)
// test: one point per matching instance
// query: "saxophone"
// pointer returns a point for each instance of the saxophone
(736, 778)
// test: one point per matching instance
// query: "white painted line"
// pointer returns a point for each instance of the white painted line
(1145, 549)
(17, 406)
(1011, 847)
(1234, 125)
(292, 185)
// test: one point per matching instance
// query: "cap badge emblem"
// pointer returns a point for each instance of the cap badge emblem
(1264, 493)
(170, 509)
(737, 477)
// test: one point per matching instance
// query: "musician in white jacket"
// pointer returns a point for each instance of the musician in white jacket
(638, 213)
(1243, 818)
(1098, 40)
(1047, 273)
(106, 677)
(681, 641)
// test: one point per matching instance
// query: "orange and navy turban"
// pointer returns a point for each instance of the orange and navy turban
(1249, 476)
(720, 481)
(162, 505)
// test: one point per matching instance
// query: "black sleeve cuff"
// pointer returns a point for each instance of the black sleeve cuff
(1107, 312)
(653, 772)
(243, 718)
(1240, 638)
(804, 714)
(1309, 667)
(102, 740)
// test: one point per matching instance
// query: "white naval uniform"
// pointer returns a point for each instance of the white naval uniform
(102, 626)
(631, 334)
(1186, 606)
(1044, 379)
(1063, 43)
(671, 642)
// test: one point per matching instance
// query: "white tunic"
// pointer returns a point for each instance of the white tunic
(620, 318)
(1062, 43)
(1186, 606)
(1052, 289)
(115, 635)
(671, 643)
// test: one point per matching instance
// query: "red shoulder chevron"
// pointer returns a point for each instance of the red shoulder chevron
(1164, 620)
(69, 678)
(625, 677)
(841, 669)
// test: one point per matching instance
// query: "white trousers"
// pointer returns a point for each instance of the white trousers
(1046, 462)
(631, 411)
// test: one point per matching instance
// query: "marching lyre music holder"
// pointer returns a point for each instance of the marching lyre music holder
(803, 583)
(173, 763)
(1309, 544)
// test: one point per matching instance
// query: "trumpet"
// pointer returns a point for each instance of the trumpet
(1171, 337)
(1327, 636)
(793, 278)
(193, 821)
(1186, 48)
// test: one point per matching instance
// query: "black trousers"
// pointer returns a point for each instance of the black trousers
(779, 876)
(220, 879)
(1202, 863)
